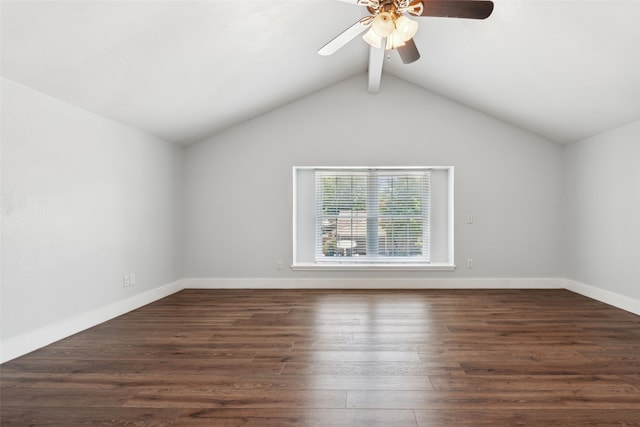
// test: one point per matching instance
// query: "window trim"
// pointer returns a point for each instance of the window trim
(312, 266)
(448, 265)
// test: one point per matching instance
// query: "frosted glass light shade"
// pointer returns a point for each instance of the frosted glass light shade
(396, 39)
(406, 27)
(372, 39)
(383, 24)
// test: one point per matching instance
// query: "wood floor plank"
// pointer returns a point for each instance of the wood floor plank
(530, 399)
(207, 398)
(143, 352)
(548, 367)
(531, 418)
(372, 368)
(152, 365)
(296, 418)
(74, 397)
(20, 416)
(106, 383)
(358, 345)
(339, 358)
(538, 383)
(461, 400)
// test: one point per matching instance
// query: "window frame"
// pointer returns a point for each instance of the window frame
(445, 265)
(371, 198)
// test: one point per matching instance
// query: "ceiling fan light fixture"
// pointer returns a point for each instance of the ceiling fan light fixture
(383, 24)
(373, 39)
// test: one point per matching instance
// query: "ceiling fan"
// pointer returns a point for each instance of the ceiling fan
(390, 28)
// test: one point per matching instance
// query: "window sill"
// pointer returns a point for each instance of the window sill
(374, 267)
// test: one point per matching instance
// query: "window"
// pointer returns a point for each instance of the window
(373, 218)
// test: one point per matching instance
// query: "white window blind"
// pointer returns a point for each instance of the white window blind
(372, 216)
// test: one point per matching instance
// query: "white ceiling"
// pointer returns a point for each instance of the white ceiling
(183, 70)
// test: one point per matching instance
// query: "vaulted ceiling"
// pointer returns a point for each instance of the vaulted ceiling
(183, 70)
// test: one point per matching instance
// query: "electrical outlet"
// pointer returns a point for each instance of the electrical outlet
(469, 263)
(132, 279)
(279, 264)
(469, 219)
(126, 281)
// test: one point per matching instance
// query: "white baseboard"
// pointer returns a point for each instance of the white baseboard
(377, 283)
(619, 301)
(23, 344)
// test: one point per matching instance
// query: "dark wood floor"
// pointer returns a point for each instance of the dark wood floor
(339, 358)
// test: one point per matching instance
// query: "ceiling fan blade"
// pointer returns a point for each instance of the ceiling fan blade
(469, 9)
(356, 2)
(376, 59)
(409, 52)
(346, 36)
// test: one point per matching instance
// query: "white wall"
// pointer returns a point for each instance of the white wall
(85, 200)
(603, 211)
(239, 186)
